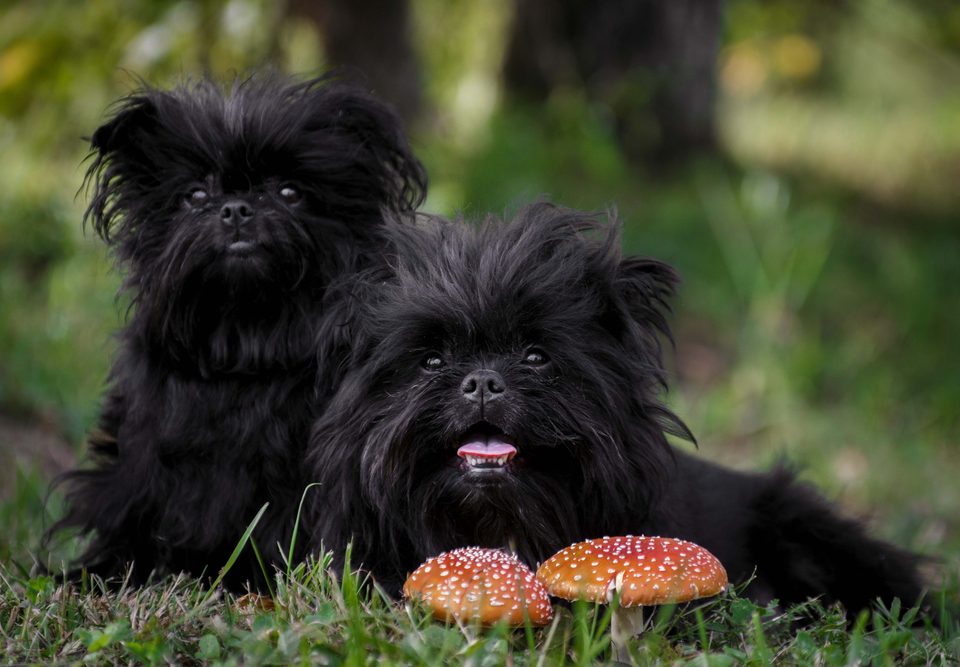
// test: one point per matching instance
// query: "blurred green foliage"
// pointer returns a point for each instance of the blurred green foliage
(820, 248)
(861, 94)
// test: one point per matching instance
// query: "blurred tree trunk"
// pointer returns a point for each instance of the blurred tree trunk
(650, 61)
(372, 37)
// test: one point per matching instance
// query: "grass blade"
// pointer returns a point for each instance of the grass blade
(237, 550)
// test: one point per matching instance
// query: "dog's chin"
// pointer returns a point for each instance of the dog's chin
(496, 489)
(242, 249)
(241, 263)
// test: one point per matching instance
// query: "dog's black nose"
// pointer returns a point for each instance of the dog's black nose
(236, 213)
(483, 386)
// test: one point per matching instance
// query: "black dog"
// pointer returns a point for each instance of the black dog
(506, 394)
(229, 212)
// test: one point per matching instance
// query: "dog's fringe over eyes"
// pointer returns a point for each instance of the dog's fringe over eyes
(229, 210)
(539, 420)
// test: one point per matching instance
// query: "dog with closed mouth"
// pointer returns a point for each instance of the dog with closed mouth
(229, 210)
(505, 391)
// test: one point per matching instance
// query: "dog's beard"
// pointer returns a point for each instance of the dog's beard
(531, 513)
(256, 267)
(569, 478)
(526, 506)
(237, 305)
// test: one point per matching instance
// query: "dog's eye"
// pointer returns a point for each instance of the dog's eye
(535, 357)
(433, 362)
(289, 194)
(197, 196)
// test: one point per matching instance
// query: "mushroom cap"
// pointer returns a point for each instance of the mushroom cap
(644, 570)
(475, 584)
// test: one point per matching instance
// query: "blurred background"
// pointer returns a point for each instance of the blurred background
(798, 161)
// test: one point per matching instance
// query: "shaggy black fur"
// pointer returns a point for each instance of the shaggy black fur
(538, 333)
(229, 212)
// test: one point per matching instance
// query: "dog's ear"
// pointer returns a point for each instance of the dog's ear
(136, 115)
(120, 160)
(641, 293)
(637, 313)
(401, 179)
(637, 304)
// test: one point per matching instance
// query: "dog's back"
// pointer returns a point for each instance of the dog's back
(785, 537)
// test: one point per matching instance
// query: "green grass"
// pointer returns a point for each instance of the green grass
(318, 619)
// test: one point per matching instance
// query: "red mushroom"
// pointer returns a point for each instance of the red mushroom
(642, 570)
(484, 585)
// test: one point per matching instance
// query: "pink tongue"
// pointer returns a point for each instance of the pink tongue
(490, 449)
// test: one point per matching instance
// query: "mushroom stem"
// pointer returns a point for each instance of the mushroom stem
(626, 622)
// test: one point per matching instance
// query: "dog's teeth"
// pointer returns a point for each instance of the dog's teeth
(486, 461)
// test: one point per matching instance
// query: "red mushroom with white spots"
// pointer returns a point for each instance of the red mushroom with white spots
(482, 585)
(642, 570)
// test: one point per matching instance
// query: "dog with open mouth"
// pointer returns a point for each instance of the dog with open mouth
(505, 391)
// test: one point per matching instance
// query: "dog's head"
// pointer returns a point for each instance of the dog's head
(214, 199)
(506, 387)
